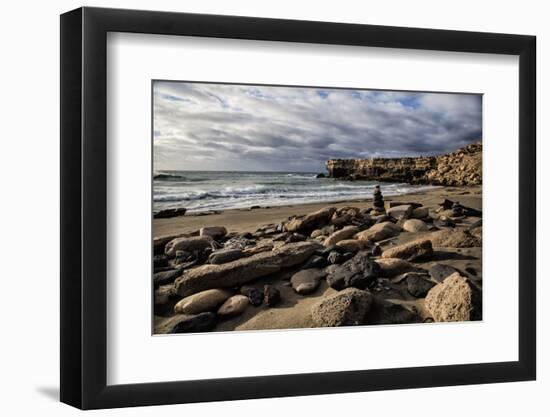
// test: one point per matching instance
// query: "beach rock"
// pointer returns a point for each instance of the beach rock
(163, 295)
(417, 249)
(345, 233)
(359, 272)
(376, 250)
(295, 237)
(445, 204)
(244, 270)
(476, 224)
(315, 261)
(316, 233)
(160, 261)
(166, 277)
(255, 296)
(391, 267)
(477, 232)
(336, 257)
(215, 232)
(159, 243)
(420, 213)
(272, 296)
(458, 238)
(165, 214)
(402, 211)
(234, 306)
(225, 255)
(454, 300)
(183, 323)
(265, 247)
(439, 272)
(345, 308)
(320, 175)
(379, 231)
(311, 221)
(414, 226)
(307, 280)
(418, 286)
(444, 221)
(188, 244)
(354, 245)
(208, 300)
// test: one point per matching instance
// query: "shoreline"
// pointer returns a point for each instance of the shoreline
(247, 219)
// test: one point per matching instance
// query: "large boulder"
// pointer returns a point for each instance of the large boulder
(455, 238)
(392, 267)
(414, 226)
(420, 213)
(358, 272)
(244, 270)
(311, 221)
(215, 232)
(307, 280)
(379, 231)
(188, 244)
(208, 300)
(421, 248)
(345, 308)
(346, 233)
(455, 299)
(234, 306)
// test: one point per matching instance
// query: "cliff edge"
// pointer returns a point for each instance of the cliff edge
(462, 167)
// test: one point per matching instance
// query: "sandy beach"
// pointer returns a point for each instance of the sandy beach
(395, 297)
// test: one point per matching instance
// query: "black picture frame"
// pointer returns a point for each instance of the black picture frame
(84, 207)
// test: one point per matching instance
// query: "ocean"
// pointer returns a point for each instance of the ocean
(220, 190)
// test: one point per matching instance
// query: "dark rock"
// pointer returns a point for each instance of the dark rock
(376, 250)
(295, 237)
(477, 223)
(272, 296)
(446, 204)
(335, 257)
(418, 287)
(254, 207)
(386, 312)
(202, 322)
(166, 277)
(165, 214)
(160, 261)
(444, 221)
(315, 261)
(439, 272)
(359, 272)
(183, 257)
(471, 271)
(255, 296)
(321, 175)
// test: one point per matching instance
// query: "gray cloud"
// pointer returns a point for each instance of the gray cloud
(237, 127)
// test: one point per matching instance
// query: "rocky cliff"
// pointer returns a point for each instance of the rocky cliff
(462, 167)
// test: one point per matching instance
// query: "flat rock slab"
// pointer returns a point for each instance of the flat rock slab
(225, 255)
(417, 249)
(208, 300)
(400, 211)
(311, 221)
(241, 271)
(307, 280)
(345, 308)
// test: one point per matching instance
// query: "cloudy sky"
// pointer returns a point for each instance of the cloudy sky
(248, 128)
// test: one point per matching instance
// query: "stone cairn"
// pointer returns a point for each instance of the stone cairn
(378, 200)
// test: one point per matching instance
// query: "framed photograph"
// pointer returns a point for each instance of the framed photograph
(258, 208)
